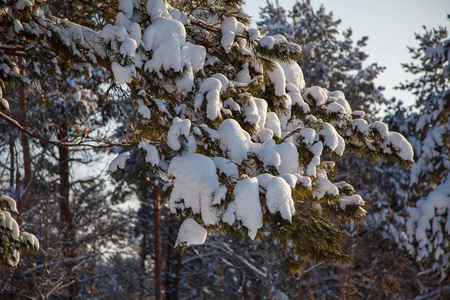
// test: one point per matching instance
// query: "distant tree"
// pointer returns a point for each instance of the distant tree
(329, 59)
(428, 226)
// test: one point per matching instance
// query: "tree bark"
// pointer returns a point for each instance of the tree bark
(173, 264)
(157, 235)
(24, 188)
(69, 231)
(266, 258)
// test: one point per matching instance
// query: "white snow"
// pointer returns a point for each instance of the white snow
(278, 79)
(123, 74)
(319, 94)
(152, 156)
(194, 186)
(325, 187)
(289, 158)
(10, 223)
(234, 141)
(128, 47)
(361, 126)
(143, 110)
(127, 7)
(267, 42)
(191, 233)
(311, 169)
(21, 4)
(309, 135)
(10, 202)
(226, 166)
(32, 240)
(330, 135)
(229, 28)
(118, 162)
(279, 199)
(273, 123)
(211, 87)
(248, 207)
(352, 200)
(293, 74)
(179, 127)
(381, 127)
(401, 144)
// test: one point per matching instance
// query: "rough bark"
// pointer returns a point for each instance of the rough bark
(157, 235)
(69, 230)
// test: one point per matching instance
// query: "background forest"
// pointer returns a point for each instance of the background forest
(106, 131)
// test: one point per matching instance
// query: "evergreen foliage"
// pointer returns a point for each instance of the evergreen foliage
(218, 119)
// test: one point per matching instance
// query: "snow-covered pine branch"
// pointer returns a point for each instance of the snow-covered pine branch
(243, 142)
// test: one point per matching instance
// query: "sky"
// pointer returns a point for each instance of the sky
(390, 25)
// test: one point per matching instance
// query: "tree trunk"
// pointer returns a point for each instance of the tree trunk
(69, 230)
(157, 234)
(173, 264)
(266, 258)
(24, 189)
(143, 259)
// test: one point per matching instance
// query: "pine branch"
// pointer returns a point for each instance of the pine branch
(87, 143)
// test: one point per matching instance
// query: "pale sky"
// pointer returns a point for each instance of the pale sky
(390, 25)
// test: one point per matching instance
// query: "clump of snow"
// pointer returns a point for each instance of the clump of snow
(268, 155)
(143, 110)
(10, 202)
(10, 223)
(118, 162)
(152, 156)
(179, 128)
(226, 167)
(211, 87)
(22, 4)
(319, 95)
(308, 135)
(123, 74)
(191, 233)
(32, 240)
(332, 139)
(289, 157)
(234, 141)
(267, 42)
(311, 168)
(293, 74)
(128, 47)
(278, 79)
(279, 199)
(229, 28)
(361, 126)
(251, 112)
(166, 38)
(127, 7)
(352, 200)
(273, 123)
(325, 187)
(380, 127)
(253, 34)
(401, 144)
(248, 207)
(194, 186)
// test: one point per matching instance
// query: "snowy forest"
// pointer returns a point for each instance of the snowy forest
(173, 149)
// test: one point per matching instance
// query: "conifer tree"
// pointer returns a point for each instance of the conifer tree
(223, 114)
(428, 226)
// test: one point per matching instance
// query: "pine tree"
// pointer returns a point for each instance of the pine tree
(223, 115)
(428, 226)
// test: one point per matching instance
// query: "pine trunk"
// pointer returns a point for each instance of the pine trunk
(69, 230)
(24, 188)
(157, 234)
